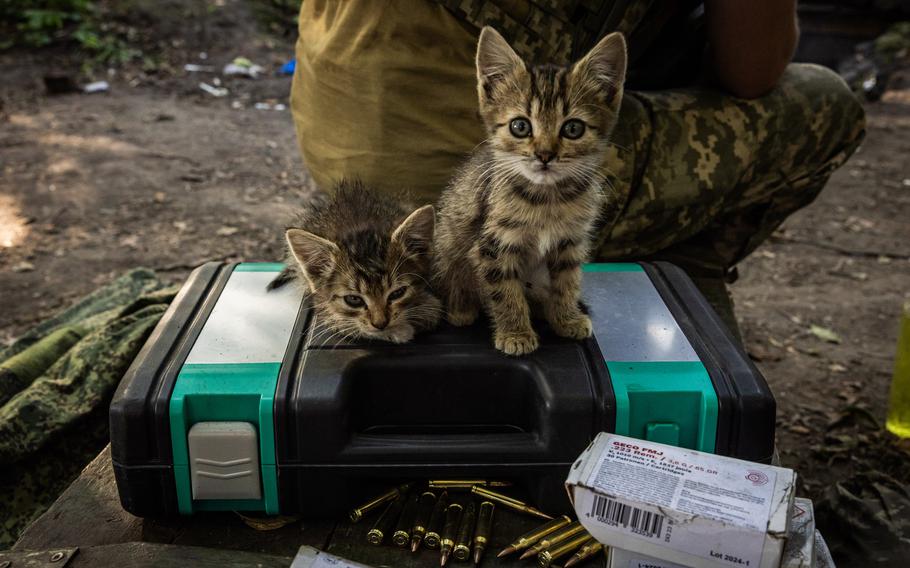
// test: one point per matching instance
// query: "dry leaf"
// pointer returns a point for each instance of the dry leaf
(824, 334)
(23, 266)
(226, 231)
(266, 523)
(132, 241)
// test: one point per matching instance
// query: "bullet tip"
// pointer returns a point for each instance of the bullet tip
(505, 551)
(528, 553)
(477, 553)
(570, 562)
(443, 558)
(414, 545)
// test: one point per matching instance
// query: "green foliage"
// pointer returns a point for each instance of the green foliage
(34, 23)
(37, 23)
(894, 44)
(280, 16)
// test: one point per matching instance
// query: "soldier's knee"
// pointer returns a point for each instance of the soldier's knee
(828, 105)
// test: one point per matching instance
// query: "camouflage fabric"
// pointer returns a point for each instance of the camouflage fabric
(703, 178)
(866, 520)
(55, 385)
(560, 31)
(386, 93)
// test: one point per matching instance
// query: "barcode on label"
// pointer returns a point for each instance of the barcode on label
(614, 513)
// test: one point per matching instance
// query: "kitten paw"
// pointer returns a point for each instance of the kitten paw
(573, 327)
(460, 318)
(516, 343)
(400, 335)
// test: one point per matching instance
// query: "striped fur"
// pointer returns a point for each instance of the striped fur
(515, 222)
(364, 244)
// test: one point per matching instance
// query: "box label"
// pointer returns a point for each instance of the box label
(663, 491)
(323, 561)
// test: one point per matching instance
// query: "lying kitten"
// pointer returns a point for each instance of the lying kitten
(366, 262)
(525, 203)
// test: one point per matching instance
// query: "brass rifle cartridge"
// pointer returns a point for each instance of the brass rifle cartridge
(587, 551)
(358, 512)
(546, 557)
(385, 522)
(484, 528)
(570, 531)
(531, 537)
(462, 550)
(449, 532)
(425, 507)
(402, 533)
(434, 527)
(465, 484)
(509, 502)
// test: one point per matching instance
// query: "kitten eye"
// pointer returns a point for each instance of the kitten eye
(397, 293)
(520, 127)
(572, 129)
(354, 301)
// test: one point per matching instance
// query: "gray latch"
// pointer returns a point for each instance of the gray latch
(224, 460)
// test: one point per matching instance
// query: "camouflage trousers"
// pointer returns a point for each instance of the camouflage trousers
(703, 178)
(385, 92)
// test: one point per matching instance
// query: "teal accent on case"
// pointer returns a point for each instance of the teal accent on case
(663, 433)
(259, 267)
(225, 392)
(612, 267)
(660, 401)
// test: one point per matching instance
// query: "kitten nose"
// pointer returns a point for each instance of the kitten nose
(380, 323)
(544, 156)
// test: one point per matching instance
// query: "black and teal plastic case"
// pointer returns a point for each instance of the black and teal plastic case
(240, 400)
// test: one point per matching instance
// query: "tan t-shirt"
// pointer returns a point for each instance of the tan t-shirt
(384, 92)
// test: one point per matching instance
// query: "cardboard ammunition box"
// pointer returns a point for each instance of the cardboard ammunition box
(682, 506)
(309, 557)
(799, 552)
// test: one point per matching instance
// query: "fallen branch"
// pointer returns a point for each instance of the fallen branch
(838, 249)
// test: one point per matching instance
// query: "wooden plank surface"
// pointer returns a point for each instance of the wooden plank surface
(88, 515)
(142, 555)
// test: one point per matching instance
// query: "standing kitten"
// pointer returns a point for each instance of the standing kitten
(366, 262)
(525, 203)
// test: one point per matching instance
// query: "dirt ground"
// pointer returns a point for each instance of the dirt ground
(158, 173)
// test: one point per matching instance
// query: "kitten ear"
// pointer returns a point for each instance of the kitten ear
(315, 255)
(495, 59)
(415, 234)
(605, 64)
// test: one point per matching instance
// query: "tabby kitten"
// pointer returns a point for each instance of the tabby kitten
(522, 208)
(366, 262)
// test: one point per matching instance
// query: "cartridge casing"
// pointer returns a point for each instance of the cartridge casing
(570, 531)
(532, 537)
(450, 529)
(402, 533)
(386, 522)
(465, 536)
(434, 527)
(509, 502)
(484, 528)
(465, 484)
(358, 512)
(425, 504)
(547, 557)
(589, 549)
